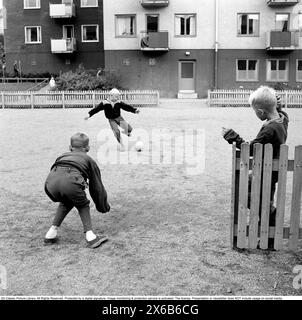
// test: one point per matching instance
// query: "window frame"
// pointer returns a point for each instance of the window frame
(185, 35)
(297, 63)
(288, 21)
(38, 5)
(39, 33)
(90, 25)
(247, 61)
(257, 34)
(277, 80)
(95, 6)
(125, 16)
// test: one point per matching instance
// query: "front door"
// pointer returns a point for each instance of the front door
(186, 71)
(68, 32)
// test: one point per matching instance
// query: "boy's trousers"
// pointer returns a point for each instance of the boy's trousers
(119, 121)
(67, 186)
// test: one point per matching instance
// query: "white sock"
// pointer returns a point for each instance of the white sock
(51, 233)
(90, 235)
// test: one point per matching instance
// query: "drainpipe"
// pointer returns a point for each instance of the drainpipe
(216, 43)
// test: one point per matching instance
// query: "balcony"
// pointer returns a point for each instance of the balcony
(155, 41)
(63, 45)
(282, 40)
(62, 10)
(150, 4)
(281, 3)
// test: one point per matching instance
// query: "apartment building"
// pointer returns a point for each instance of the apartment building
(184, 48)
(53, 36)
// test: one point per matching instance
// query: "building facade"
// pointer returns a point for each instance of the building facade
(185, 48)
(53, 36)
(181, 48)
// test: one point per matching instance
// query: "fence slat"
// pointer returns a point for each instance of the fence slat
(233, 196)
(255, 195)
(266, 195)
(281, 196)
(243, 195)
(296, 200)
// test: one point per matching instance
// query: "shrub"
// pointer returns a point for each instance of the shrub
(82, 80)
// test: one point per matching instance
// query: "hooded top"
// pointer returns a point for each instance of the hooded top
(89, 170)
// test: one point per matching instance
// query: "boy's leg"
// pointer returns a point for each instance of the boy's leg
(62, 211)
(114, 127)
(127, 129)
(93, 240)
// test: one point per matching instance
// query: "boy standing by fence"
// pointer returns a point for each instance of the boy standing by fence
(66, 184)
(112, 108)
(267, 107)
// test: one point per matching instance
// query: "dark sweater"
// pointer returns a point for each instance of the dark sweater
(89, 170)
(274, 132)
(112, 112)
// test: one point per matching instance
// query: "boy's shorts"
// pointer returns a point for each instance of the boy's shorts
(66, 185)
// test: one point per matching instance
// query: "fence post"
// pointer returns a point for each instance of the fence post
(93, 99)
(32, 100)
(286, 99)
(63, 100)
(3, 97)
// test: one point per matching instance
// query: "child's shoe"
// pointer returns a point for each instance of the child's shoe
(97, 241)
(51, 241)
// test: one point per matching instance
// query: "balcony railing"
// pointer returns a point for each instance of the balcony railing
(63, 45)
(62, 10)
(155, 41)
(154, 3)
(282, 3)
(282, 40)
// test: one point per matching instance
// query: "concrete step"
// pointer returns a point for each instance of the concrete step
(187, 95)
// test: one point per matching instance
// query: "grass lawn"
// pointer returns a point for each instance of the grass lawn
(168, 230)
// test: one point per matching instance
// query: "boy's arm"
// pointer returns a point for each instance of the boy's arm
(97, 190)
(264, 136)
(95, 110)
(128, 108)
(232, 136)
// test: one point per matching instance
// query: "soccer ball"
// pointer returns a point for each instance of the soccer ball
(139, 146)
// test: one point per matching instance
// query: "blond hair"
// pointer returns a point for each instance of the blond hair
(263, 98)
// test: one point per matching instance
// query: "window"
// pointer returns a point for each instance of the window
(299, 71)
(32, 4)
(152, 22)
(277, 70)
(248, 24)
(282, 21)
(33, 35)
(246, 70)
(89, 3)
(90, 33)
(185, 24)
(125, 25)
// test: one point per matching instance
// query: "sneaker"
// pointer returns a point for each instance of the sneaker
(97, 241)
(51, 241)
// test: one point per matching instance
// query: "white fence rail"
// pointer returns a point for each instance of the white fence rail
(239, 98)
(72, 99)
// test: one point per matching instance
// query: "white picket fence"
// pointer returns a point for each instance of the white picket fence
(72, 99)
(239, 98)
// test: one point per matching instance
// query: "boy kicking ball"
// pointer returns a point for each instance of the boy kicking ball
(112, 108)
(66, 184)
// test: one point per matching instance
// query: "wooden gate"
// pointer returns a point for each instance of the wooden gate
(251, 197)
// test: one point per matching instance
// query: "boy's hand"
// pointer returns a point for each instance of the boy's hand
(86, 118)
(224, 131)
(137, 111)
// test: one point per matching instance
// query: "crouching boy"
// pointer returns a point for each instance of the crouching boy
(66, 184)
